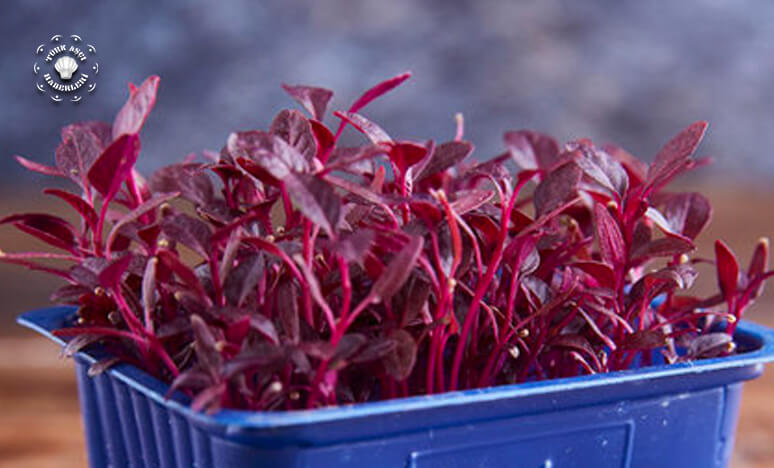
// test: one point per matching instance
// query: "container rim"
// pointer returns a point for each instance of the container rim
(758, 337)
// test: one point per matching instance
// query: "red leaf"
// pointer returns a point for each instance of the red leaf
(114, 165)
(406, 154)
(110, 276)
(727, 269)
(50, 229)
(313, 99)
(397, 271)
(611, 243)
(759, 263)
(132, 115)
(674, 156)
(636, 169)
(39, 168)
(79, 204)
(444, 156)
(324, 137)
(600, 271)
(379, 90)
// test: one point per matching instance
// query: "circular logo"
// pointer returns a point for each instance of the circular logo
(65, 68)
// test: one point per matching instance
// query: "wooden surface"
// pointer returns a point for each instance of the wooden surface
(40, 423)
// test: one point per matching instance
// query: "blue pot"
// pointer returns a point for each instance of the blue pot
(682, 415)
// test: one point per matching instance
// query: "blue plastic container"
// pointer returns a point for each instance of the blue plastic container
(682, 415)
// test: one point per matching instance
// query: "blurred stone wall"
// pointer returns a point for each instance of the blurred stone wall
(629, 71)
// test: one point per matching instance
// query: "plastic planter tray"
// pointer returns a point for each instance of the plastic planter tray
(682, 415)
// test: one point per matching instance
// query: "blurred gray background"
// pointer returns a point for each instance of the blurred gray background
(631, 72)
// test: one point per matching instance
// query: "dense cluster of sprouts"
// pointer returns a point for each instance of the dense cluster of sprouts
(292, 272)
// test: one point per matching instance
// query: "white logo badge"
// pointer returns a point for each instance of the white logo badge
(66, 68)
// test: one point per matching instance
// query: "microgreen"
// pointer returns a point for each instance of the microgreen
(292, 272)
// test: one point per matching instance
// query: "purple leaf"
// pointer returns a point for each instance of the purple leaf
(144, 208)
(664, 247)
(270, 152)
(636, 169)
(353, 247)
(287, 310)
(79, 149)
(602, 170)
(132, 115)
(727, 269)
(444, 156)
(602, 272)
(579, 343)
(205, 345)
(243, 278)
(294, 128)
(532, 150)
(399, 362)
(189, 179)
(558, 187)
(191, 232)
(374, 349)
(349, 344)
(102, 130)
(759, 263)
(674, 156)
(79, 204)
(711, 345)
(397, 271)
(264, 326)
(114, 165)
(316, 199)
(187, 275)
(612, 248)
(471, 200)
(688, 213)
(314, 100)
(48, 228)
(645, 340)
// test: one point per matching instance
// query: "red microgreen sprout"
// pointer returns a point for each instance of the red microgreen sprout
(292, 272)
